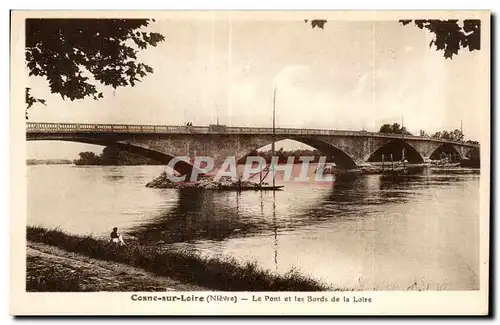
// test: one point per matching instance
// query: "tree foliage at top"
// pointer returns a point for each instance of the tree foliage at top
(30, 100)
(395, 128)
(455, 135)
(67, 52)
(320, 23)
(450, 36)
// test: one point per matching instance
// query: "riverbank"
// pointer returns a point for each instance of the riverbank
(181, 267)
(52, 269)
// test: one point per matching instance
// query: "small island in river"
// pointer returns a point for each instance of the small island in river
(210, 183)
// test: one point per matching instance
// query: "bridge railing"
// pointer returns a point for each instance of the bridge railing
(34, 127)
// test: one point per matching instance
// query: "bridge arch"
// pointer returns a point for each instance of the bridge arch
(340, 157)
(473, 153)
(181, 167)
(472, 158)
(395, 148)
(446, 150)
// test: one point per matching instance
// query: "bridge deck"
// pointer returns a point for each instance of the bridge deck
(34, 127)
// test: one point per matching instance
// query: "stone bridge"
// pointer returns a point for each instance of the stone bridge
(161, 142)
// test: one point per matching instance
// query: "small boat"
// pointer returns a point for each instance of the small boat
(249, 188)
(470, 163)
(447, 165)
(395, 170)
(371, 171)
(330, 169)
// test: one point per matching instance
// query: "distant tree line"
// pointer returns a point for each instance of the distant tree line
(283, 155)
(455, 135)
(395, 128)
(48, 161)
(113, 156)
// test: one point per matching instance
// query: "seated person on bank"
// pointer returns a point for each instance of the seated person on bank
(116, 238)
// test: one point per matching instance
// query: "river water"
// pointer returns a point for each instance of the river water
(373, 233)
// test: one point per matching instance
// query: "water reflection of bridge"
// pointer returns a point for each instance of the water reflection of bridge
(212, 215)
(218, 216)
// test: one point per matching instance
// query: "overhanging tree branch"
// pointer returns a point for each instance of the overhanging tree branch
(69, 51)
(449, 36)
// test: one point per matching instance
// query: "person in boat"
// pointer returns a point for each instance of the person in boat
(329, 168)
(116, 238)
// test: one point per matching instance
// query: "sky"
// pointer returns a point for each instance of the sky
(351, 75)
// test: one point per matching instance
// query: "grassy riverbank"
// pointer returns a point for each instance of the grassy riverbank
(51, 269)
(185, 266)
